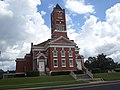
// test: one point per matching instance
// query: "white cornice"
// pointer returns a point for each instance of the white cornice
(61, 37)
(41, 54)
(59, 30)
(53, 45)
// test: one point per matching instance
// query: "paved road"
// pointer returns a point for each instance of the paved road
(114, 85)
(104, 86)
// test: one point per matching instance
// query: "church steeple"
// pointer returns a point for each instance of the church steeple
(58, 22)
(58, 7)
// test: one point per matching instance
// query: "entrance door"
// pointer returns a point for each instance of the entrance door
(79, 66)
(41, 66)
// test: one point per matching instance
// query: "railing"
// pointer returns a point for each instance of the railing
(89, 74)
(73, 75)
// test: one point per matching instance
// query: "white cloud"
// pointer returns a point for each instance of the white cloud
(79, 6)
(101, 36)
(50, 6)
(113, 14)
(72, 34)
(43, 13)
(4, 11)
(20, 24)
(69, 21)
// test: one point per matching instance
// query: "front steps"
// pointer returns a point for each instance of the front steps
(83, 77)
(42, 74)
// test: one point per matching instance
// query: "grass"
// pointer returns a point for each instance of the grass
(29, 82)
(108, 76)
(43, 81)
(22, 80)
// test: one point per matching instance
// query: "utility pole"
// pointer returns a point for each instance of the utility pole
(1, 59)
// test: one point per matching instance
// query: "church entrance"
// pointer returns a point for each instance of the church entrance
(41, 66)
(79, 66)
(41, 62)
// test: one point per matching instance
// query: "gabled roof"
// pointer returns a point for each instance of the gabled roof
(43, 43)
(78, 56)
(63, 39)
(41, 54)
(60, 40)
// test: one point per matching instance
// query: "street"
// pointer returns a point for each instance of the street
(109, 86)
(114, 85)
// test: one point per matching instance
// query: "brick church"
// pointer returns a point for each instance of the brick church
(56, 54)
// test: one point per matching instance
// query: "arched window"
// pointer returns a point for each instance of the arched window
(55, 52)
(62, 53)
(70, 53)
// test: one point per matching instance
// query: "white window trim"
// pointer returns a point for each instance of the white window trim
(70, 55)
(54, 63)
(70, 63)
(62, 63)
(63, 51)
(54, 53)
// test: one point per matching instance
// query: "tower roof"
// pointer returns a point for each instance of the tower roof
(58, 7)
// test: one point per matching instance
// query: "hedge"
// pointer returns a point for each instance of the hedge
(78, 72)
(60, 73)
(32, 73)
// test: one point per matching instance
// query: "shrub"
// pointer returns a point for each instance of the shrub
(104, 71)
(117, 70)
(96, 70)
(20, 75)
(78, 72)
(60, 73)
(12, 71)
(32, 74)
(1, 73)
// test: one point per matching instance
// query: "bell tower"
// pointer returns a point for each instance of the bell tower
(58, 22)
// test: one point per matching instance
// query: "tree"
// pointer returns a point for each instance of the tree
(101, 62)
(1, 73)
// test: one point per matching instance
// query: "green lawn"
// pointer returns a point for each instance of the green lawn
(24, 82)
(29, 82)
(108, 76)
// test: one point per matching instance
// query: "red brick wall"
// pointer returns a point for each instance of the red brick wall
(52, 68)
(35, 53)
(50, 58)
(35, 64)
(54, 21)
(28, 63)
(20, 66)
(58, 34)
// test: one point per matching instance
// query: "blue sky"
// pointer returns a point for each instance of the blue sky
(93, 24)
(100, 7)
